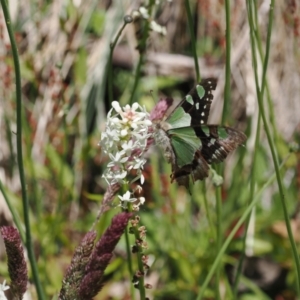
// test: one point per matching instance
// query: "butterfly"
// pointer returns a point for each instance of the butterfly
(188, 142)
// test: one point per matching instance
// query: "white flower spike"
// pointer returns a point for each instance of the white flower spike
(125, 140)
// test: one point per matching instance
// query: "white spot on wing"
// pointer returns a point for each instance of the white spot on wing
(218, 152)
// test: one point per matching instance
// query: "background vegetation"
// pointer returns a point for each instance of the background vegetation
(70, 74)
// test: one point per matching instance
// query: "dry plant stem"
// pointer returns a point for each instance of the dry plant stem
(260, 94)
(193, 40)
(29, 247)
(226, 243)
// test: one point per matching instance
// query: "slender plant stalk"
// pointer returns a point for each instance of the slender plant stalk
(137, 77)
(219, 238)
(129, 261)
(193, 40)
(227, 92)
(252, 182)
(10, 138)
(224, 116)
(252, 190)
(261, 54)
(12, 210)
(267, 129)
(127, 19)
(61, 171)
(208, 215)
(128, 247)
(226, 243)
(251, 195)
(29, 246)
(129, 257)
(32, 183)
(141, 285)
(142, 54)
(140, 266)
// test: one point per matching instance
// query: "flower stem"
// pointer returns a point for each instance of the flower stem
(193, 40)
(29, 246)
(112, 47)
(142, 54)
(228, 59)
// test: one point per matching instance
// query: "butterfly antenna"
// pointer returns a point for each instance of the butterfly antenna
(151, 93)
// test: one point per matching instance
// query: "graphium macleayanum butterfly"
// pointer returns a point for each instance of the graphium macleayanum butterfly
(188, 142)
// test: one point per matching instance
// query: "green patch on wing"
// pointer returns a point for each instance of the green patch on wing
(179, 118)
(185, 143)
(212, 130)
(206, 130)
(200, 91)
(189, 99)
(223, 134)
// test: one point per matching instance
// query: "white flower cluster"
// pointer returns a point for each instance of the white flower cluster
(158, 28)
(124, 141)
(3, 287)
(129, 197)
(143, 12)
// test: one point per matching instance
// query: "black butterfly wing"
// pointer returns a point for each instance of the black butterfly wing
(202, 97)
(218, 141)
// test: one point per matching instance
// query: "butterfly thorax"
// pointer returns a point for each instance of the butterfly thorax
(163, 140)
